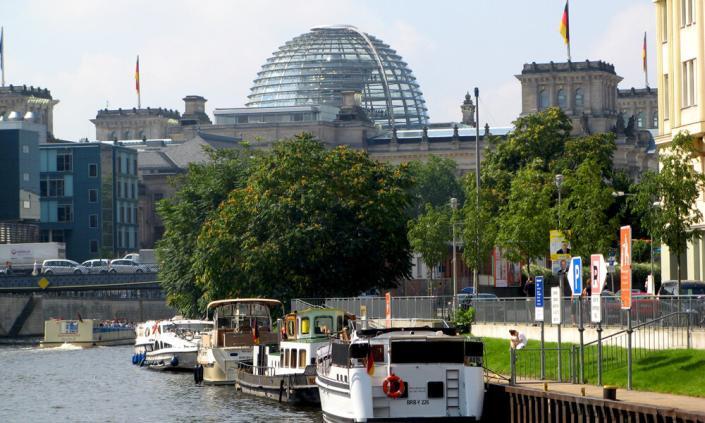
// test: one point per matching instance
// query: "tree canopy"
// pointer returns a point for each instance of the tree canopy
(308, 222)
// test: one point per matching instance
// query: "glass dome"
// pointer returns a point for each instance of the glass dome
(314, 68)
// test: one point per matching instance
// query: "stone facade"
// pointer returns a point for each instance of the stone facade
(23, 100)
(641, 103)
(131, 124)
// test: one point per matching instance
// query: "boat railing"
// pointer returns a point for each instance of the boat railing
(257, 370)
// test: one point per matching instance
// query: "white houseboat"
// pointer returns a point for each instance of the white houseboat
(86, 333)
(401, 373)
(237, 326)
(170, 344)
(286, 372)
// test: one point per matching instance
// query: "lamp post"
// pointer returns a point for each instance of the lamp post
(476, 271)
(454, 206)
(559, 181)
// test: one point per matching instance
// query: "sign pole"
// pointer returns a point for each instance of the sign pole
(539, 315)
(556, 318)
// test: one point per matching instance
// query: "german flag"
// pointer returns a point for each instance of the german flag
(370, 363)
(643, 53)
(137, 75)
(564, 29)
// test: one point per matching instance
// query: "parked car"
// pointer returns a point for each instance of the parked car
(97, 265)
(687, 288)
(126, 266)
(62, 267)
(644, 305)
(468, 299)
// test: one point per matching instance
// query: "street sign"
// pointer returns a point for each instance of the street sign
(595, 309)
(598, 273)
(625, 266)
(556, 317)
(388, 309)
(575, 275)
(538, 299)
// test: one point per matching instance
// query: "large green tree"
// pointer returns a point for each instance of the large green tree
(199, 193)
(429, 234)
(526, 220)
(676, 187)
(479, 224)
(435, 182)
(309, 222)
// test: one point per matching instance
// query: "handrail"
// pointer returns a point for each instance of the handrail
(640, 325)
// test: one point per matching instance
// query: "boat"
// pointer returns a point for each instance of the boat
(86, 333)
(237, 326)
(169, 344)
(286, 372)
(401, 371)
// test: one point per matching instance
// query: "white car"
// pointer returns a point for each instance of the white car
(97, 265)
(62, 267)
(126, 266)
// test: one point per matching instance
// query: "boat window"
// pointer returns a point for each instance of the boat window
(323, 325)
(428, 352)
(339, 353)
(302, 358)
(378, 353)
(339, 327)
(291, 328)
(292, 359)
(305, 325)
(286, 358)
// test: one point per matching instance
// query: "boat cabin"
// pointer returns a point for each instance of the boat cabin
(313, 323)
(242, 322)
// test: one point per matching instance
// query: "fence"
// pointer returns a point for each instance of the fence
(586, 363)
(517, 310)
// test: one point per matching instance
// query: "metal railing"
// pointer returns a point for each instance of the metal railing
(516, 310)
(586, 363)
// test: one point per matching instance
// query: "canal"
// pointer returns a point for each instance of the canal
(66, 384)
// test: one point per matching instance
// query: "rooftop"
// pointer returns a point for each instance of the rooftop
(106, 113)
(26, 91)
(588, 65)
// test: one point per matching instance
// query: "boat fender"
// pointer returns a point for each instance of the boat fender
(174, 361)
(134, 358)
(393, 386)
(198, 374)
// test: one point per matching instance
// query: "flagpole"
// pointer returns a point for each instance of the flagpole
(2, 53)
(139, 88)
(646, 66)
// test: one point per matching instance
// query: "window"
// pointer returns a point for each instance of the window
(561, 99)
(654, 120)
(134, 166)
(122, 215)
(302, 358)
(666, 99)
(64, 162)
(26, 204)
(688, 83)
(25, 149)
(323, 325)
(65, 213)
(640, 119)
(292, 359)
(93, 170)
(93, 221)
(126, 135)
(57, 235)
(305, 326)
(92, 196)
(93, 246)
(579, 97)
(543, 99)
(51, 187)
(157, 196)
(687, 13)
(25, 177)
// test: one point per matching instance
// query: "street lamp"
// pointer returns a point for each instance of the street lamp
(454, 206)
(476, 270)
(559, 182)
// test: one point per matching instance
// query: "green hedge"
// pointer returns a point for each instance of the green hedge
(639, 273)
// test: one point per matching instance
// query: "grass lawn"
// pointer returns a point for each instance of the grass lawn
(679, 372)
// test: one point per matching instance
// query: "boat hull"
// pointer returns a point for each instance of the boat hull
(330, 418)
(293, 389)
(184, 361)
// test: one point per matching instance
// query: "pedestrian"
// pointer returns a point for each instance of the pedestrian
(517, 340)
(530, 288)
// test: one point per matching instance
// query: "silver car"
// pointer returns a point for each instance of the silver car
(62, 267)
(97, 265)
(126, 266)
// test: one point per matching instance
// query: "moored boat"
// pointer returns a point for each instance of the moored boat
(237, 326)
(286, 372)
(86, 333)
(169, 344)
(401, 373)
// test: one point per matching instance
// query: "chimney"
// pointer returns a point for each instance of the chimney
(194, 104)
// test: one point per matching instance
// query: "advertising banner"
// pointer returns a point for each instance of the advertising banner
(556, 317)
(506, 273)
(625, 262)
(538, 299)
(560, 252)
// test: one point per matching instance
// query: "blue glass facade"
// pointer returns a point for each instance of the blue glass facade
(89, 198)
(19, 173)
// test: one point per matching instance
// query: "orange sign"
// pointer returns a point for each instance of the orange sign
(388, 309)
(625, 263)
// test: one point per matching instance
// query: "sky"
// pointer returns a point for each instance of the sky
(84, 52)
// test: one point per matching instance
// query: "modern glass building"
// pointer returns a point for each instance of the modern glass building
(314, 68)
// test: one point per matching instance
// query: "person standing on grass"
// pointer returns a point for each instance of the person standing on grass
(517, 340)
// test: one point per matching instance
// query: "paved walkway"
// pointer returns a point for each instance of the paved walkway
(690, 404)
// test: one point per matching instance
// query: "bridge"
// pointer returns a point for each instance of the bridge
(27, 301)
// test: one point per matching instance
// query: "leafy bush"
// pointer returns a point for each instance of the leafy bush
(463, 319)
(641, 250)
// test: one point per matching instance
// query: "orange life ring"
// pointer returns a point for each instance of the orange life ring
(393, 386)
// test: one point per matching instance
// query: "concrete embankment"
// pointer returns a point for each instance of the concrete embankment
(24, 315)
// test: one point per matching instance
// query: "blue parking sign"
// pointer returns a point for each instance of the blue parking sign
(539, 291)
(576, 267)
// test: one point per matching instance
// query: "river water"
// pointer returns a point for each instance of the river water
(100, 384)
